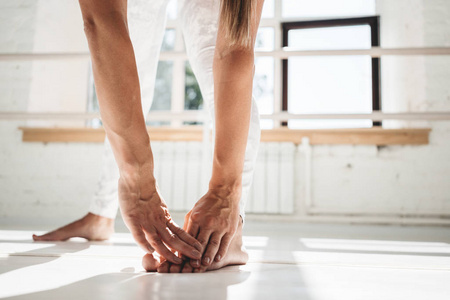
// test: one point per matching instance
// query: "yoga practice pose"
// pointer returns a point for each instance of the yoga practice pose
(124, 40)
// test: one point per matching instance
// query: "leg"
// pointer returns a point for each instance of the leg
(144, 18)
(199, 19)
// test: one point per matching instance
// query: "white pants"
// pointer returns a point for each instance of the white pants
(146, 20)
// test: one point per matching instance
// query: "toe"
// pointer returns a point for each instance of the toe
(150, 263)
(187, 268)
(164, 267)
(174, 268)
(51, 236)
(202, 269)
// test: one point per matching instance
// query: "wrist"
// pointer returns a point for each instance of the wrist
(138, 173)
(136, 161)
(226, 188)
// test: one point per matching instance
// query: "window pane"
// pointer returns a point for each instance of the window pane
(163, 86)
(330, 84)
(263, 87)
(265, 39)
(327, 8)
(268, 9)
(331, 38)
(193, 99)
(163, 90)
(335, 84)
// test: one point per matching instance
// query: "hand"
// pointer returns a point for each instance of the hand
(147, 217)
(213, 221)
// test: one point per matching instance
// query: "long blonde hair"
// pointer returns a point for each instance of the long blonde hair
(236, 19)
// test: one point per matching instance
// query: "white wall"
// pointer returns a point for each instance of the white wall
(59, 86)
(50, 182)
(397, 180)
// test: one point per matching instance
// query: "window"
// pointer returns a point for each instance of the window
(277, 28)
(331, 84)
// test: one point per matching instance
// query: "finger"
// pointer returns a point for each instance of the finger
(140, 238)
(195, 263)
(158, 245)
(203, 237)
(184, 236)
(175, 243)
(187, 219)
(212, 248)
(175, 268)
(193, 229)
(224, 245)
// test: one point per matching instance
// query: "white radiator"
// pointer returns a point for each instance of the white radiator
(178, 170)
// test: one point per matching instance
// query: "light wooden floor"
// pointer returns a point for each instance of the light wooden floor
(308, 261)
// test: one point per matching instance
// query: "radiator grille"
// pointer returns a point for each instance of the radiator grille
(178, 170)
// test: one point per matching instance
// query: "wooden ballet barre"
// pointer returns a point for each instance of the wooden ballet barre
(283, 53)
(352, 136)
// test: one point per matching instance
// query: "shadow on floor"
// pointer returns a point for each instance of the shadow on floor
(58, 248)
(126, 285)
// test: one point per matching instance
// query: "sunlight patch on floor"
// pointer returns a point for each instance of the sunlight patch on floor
(281, 266)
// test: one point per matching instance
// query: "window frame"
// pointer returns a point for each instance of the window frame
(372, 21)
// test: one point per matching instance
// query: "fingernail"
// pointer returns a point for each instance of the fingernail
(178, 260)
(195, 253)
(207, 260)
(218, 257)
(195, 263)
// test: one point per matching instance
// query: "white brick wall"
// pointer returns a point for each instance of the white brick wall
(53, 181)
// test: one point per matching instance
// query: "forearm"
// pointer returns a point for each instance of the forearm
(233, 82)
(233, 76)
(117, 86)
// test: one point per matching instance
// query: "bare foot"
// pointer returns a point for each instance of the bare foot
(236, 255)
(91, 227)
